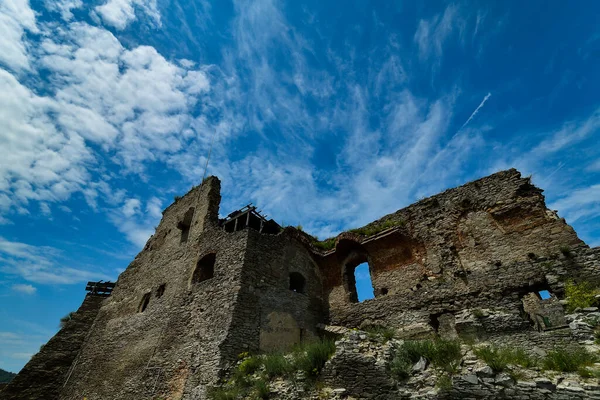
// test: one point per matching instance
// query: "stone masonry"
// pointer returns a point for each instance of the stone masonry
(470, 261)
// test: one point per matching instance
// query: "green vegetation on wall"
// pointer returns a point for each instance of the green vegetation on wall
(252, 376)
(580, 295)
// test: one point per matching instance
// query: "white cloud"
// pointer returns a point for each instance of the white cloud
(16, 17)
(133, 103)
(119, 13)
(39, 162)
(64, 7)
(135, 221)
(24, 288)
(40, 264)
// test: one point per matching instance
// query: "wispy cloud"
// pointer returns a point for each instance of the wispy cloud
(432, 33)
(24, 288)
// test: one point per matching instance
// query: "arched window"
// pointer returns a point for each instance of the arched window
(144, 303)
(356, 273)
(297, 282)
(205, 269)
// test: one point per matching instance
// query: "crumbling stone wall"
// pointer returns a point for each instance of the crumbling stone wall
(45, 374)
(484, 244)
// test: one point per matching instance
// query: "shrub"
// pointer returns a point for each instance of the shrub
(277, 365)
(580, 295)
(250, 365)
(568, 359)
(478, 313)
(312, 356)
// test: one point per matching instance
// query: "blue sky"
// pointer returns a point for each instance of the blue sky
(325, 114)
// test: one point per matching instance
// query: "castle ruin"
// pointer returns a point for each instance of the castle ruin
(205, 289)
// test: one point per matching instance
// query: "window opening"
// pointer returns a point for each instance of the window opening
(145, 301)
(544, 294)
(161, 290)
(297, 282)
(185, 224)
(362, 282)
(205, 269)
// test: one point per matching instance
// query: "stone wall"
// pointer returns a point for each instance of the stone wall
(285, 317)
(45, 374)
(484, 244)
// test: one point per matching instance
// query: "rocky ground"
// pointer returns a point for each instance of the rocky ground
(362, 368)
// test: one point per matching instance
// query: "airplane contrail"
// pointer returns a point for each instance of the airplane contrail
(487, 96)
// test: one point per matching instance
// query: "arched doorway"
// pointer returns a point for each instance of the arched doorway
(356, 272)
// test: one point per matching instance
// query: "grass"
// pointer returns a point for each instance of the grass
(371, 230)
(568, 359)
(277, 364)
(377, 331)
(311, 357)
(442, 354)
(251, 376)
(493, 357)
(580, 295)
(325, 245)
(498, 358)
(261, 389)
